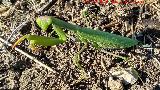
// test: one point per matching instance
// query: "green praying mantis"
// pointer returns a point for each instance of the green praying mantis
(98, 38)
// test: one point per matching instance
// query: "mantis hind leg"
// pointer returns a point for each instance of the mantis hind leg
(76, 62)
(76, 58)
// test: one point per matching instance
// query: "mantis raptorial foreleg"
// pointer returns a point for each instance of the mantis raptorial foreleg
(42, 40)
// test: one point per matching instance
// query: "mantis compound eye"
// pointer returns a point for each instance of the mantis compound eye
(44, 22)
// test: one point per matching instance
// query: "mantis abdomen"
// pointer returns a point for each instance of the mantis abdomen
(105, 39)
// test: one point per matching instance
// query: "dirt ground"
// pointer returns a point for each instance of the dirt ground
(140, 21)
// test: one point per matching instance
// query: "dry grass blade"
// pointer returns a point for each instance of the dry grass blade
(156, 63)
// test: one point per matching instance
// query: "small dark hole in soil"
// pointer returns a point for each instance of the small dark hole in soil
(93, 73)
(157, 87)
(147, 16)
(21, 65)
(3, 70)
(13, 1)
(117, 32)
(126, 87)
(70, 17)
(118, 60)
(153, 32)
(143, 76)
(26, 29)
(94, 9)
(46, 48)
(51, 13)
(81, 5)
(107, 29)
(103, 21)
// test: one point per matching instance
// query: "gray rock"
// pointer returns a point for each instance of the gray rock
(129, 75)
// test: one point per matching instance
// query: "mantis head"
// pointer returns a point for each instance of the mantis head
(44, 22)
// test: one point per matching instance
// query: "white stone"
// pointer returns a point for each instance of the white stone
(128, 75)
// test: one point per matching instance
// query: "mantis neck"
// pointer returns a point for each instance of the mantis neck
(64, 24)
